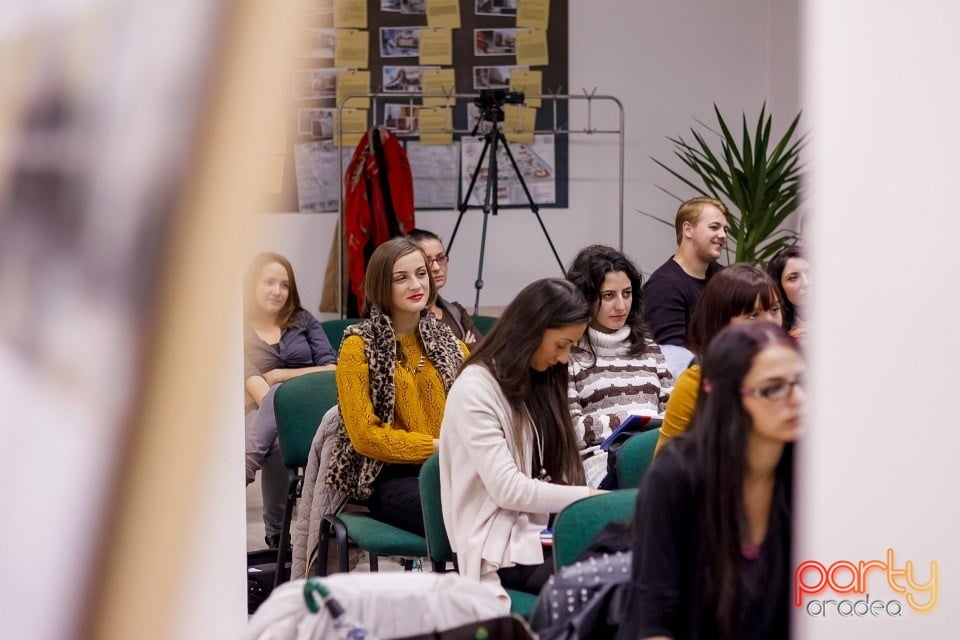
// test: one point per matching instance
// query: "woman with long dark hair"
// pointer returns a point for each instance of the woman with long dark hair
(616, 370)
(790, 270)
(711, 556)
(508, 456)
(282, 340)
(739, 293)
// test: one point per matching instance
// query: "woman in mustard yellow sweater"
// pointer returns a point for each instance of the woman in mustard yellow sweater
(393, 373)
(738, 293)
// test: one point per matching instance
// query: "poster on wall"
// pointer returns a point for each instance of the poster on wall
(399, 42)
(315, 84)
(494, 77)
(506, 8)
(493, 45)
(536, 163)
(404, 79)
(494, 42)
(318, 43)
(317, 170)
(401, 119)
(316, 123)
(434, 169)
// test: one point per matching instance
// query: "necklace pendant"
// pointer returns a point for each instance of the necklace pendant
(543, 475)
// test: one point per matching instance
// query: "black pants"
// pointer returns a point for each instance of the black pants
(529, 578)
(396, 497)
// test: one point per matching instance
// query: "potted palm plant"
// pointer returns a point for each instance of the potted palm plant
(757, 178)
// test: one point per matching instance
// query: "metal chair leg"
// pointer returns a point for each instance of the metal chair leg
(283, 549)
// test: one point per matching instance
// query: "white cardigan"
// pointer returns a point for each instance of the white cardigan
(493, 509)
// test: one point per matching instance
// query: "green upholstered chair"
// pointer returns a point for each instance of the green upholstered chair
(484, 323)
(438, 544)
(334, 330)
(577, 524)
(635, 457)
(374, 536)
(299, 406)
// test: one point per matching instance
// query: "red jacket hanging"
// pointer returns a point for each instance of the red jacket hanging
(379, 201)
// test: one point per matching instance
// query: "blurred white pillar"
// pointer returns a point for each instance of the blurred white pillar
(879, 465)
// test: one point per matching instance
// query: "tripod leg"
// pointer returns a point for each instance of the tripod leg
(533, 205)
(489, 203)
(478, 285)
(466, 197)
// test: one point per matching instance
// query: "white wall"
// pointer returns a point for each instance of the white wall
(880, 460)
(668, 62)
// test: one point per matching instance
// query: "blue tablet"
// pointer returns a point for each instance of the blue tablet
(633, 424)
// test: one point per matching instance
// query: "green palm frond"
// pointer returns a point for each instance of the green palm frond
(758, 179)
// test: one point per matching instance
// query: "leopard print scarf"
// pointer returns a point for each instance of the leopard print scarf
(349, 471)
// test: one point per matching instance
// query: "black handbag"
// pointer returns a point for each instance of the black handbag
(584, 600)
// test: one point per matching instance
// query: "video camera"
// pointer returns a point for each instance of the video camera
(490, 99)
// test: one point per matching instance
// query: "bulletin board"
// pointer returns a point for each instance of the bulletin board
(484, 55)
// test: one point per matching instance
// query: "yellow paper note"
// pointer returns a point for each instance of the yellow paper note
(518, 123)
(533, 14)
(353, 82)
(354, 123)
(532, 47)
(438, 82)
(436, 45)
(435, 125)
(530, 83)
(350, 14)
(443, 13)
(352, 49)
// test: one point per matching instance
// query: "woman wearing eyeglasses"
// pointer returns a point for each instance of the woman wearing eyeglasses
(736, 294)
(711, 556)
(450, 313)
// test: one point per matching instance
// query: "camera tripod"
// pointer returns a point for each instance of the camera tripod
(492, 112)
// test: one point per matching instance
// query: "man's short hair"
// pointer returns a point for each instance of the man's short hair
(691, 210)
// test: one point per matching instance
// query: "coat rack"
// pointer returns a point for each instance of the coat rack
(551, 101)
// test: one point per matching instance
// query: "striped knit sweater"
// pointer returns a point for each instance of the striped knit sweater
(604, 392)
(607, 389)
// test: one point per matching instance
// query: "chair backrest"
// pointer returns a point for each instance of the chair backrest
(438, 544)
(578, 523)
(299, 405)
(484, 323)
(334, 330)
(635, 457)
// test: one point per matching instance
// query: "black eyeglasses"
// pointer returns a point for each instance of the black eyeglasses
(776, 391)
(441, 260)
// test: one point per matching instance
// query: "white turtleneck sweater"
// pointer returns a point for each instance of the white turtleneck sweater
(605, 390)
